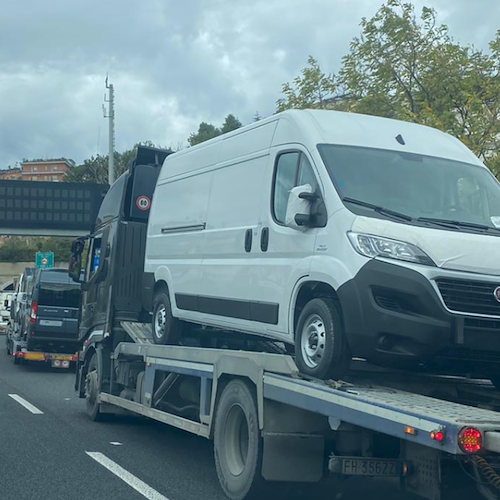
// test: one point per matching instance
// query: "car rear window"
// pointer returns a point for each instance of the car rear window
(58, 289)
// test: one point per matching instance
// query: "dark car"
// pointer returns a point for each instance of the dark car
(52, 315)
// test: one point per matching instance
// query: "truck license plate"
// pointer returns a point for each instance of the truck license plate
(49, 322)
(370, 467)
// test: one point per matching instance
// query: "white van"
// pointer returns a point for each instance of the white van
(344, 234)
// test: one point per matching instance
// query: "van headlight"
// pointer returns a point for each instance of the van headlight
(375, 246)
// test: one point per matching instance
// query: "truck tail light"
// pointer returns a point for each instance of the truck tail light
(34, 311)
(470, 440)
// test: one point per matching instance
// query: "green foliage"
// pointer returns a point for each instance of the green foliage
(230, 123)
(23, 249)
(407, 67)
(207, 131)
(312, 89)
(95, 169)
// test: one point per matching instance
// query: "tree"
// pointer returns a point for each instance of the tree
(208, 131)
(22, 249)
(408, 67)
(205, 132)
(230, 123)
(312, 89)
(95, 169)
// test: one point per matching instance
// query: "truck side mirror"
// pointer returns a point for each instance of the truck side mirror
(75, 267)
(77, 246)
(6, 303)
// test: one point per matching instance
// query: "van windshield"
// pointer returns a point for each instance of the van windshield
(57, 289)
(417, 186)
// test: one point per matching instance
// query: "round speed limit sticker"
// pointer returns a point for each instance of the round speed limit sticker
(143, 203)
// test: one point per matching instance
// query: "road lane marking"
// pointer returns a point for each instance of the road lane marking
(33, 409)
(133, 481)
(116, 443)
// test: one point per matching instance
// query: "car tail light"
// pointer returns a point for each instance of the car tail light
(34, 311)
(470, 440)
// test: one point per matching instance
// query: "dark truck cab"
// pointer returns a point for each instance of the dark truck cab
(113, 286)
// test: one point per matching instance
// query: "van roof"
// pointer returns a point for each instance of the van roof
(311, 127)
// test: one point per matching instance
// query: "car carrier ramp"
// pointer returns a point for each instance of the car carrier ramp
(141, 333)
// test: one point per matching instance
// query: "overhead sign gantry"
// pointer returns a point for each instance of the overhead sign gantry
(49, 208)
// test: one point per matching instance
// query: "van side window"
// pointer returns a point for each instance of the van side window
(292, 169)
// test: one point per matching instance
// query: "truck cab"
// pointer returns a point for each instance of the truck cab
(109, 263)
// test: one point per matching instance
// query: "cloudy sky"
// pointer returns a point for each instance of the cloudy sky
(174, 63)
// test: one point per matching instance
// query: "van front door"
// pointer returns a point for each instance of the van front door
(285, 252)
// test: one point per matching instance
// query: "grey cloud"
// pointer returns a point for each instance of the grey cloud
(173, 63)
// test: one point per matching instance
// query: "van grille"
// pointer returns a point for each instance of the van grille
(473, 297)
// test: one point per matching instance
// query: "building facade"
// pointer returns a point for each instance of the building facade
(11, 174)
(45, 170)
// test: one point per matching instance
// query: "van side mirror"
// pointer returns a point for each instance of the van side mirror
(302, 209)
(6, 303)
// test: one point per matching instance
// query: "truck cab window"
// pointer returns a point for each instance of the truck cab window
(292, 169)
(94, 256)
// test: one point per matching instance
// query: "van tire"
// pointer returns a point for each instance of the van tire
(238, 443)
(165, 328)
(321, 349)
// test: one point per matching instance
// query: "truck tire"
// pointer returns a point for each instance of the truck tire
(166, 329)
(92, 389)
(238, 443)
(320, 345)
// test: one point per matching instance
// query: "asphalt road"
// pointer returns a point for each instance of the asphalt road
(58, 453)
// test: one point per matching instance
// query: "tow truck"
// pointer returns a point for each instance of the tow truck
(438, 437)
(16, 347)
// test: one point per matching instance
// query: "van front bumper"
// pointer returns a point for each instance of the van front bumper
(394, 316)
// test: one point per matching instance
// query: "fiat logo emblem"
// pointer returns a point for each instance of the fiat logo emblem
(496, 293)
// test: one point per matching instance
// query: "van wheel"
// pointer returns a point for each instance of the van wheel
(320, 344)
(237, 442)
(166, 328)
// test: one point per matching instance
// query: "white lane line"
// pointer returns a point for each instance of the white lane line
(33, 409)
(134, 482)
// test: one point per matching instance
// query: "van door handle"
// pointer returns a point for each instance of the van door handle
(248, 240)
(264, 239)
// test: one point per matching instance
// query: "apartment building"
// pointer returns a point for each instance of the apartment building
(45, 170)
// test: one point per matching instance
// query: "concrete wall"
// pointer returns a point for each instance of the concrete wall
(9, 270)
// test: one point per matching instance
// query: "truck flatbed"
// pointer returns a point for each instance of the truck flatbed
(360, 427)
(375, 407)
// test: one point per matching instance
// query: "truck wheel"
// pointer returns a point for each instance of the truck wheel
(92, 390)
(166, 328)
(320, 344)
(237, 442)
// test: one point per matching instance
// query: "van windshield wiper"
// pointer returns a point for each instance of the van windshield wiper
(456, 224)
(377, 208)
